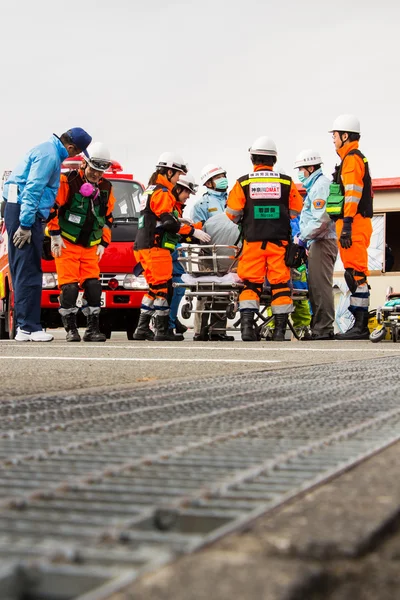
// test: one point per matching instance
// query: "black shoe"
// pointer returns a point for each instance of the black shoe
(221, 337)
(93, 333)
(143, 331)
(247, 328)
(180, 327)
(281, 321)
(69, 322)
(315, 337)
(359, 331)
(201, 337)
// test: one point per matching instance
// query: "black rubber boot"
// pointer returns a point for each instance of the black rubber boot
(280, 328)
(359, 331)
(247, 326)
(180, 327)
(163, 334)
(203, 336)
(69, 322)
(175, 337)
(143, 331)
(93, 333)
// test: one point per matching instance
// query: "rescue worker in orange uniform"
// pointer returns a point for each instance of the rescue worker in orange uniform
(264, 202)
(157, 237)
(80, 231)
(350, 204)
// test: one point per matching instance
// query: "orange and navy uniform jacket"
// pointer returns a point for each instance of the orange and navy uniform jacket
(247, 199)
(354, 177)
(157, 213)
(186, 231)
(68, 186)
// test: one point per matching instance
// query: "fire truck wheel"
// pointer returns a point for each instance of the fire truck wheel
(10, 317)
(3, 332)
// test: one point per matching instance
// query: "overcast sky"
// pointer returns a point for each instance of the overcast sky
(201, 77)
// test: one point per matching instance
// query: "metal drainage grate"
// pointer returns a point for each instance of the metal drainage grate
(95, 490)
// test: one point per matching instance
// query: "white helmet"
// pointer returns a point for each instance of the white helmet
(307, 158)
(347, 123)
(211, 171)
(99, 156)
(171, 160)
(263, 146)
(187, 181)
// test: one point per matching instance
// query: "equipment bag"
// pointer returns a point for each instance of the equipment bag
(294, 255)
(335, 202)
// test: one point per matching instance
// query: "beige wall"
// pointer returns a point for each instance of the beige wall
(387, 201)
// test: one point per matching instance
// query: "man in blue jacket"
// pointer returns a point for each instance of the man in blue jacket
(29, 193)
(317, 233)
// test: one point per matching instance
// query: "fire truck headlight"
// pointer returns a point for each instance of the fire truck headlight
(49, 281)
(131, 282)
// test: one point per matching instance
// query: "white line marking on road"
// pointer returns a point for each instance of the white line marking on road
(270, 348)
(132, 359)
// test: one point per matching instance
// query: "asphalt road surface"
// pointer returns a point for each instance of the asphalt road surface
(32, 368)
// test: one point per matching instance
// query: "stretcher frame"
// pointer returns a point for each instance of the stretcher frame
(199, 265)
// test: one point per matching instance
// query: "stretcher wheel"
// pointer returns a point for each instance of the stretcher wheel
(395, 333)
(186, 311)
(231, 311)
(378, 334)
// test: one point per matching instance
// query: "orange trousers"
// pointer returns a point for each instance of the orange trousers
(356, 257)
(157, 265)
(76, 264)
(255, 265)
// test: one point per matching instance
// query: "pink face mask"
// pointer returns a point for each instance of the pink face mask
(87, 190)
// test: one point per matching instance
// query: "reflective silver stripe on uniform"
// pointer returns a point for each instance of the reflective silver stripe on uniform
(249, 304)
(162, 312)
(161, 304)
(282, 309)
(234, 212)
(147, 302)
(351, 200)
(293, 213)
(352, 187)
(359, 302)
(161, 307)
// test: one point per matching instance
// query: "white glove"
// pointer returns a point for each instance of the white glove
(57, 244)
(1, 238)
(185, 221)
(21, 236)
(100, 252)
(201, 235)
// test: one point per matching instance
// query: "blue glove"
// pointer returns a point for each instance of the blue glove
(299, 242)
(345, 236)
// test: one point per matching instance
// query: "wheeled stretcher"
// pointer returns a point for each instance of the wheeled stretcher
(211, 275)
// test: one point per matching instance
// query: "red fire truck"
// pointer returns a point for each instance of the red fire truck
(122, 290)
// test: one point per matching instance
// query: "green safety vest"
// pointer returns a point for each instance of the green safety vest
(82, 218)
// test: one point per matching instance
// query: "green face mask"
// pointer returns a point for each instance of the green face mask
(301, 176)
(221, 184)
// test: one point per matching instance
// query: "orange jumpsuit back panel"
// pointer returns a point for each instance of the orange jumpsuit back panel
(265, 202)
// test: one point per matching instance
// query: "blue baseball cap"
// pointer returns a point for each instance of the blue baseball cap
(80, 138)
